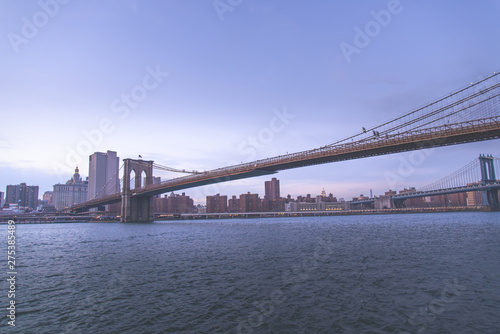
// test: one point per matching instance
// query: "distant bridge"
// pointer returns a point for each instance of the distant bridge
(467, 115)
(477, 175)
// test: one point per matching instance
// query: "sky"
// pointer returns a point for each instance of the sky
(204, 84)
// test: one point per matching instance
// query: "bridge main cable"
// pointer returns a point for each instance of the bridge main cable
(451, 104)
(175, 170)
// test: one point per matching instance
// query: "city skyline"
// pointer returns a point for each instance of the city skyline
(74, 191)
(157, 180)
(269, 184)
(191, 87)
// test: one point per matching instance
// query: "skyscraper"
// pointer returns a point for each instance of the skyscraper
(22, 194)
(103, 174)
(1, 199)
(272, 189)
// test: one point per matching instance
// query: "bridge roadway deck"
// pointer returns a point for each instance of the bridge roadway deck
(450, 134)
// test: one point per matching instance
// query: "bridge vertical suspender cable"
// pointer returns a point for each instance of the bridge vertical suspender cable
(468, 174)
(104, 188)
(459, 106)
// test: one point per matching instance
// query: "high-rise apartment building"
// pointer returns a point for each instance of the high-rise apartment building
(22, 194)
(180, 204)
(103, 174)
(71, 193)
(174, 204)
(234, 204)
(272, 189)
(250, 203)
(216, 204)
(273, 206)
(1, 199)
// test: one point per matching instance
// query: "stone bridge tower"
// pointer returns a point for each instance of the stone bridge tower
(136, 208)
(488, 176)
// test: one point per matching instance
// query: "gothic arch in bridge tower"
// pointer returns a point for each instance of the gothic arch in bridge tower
(136, 208)
(140, 168)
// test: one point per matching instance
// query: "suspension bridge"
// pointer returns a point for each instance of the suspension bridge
(467, 115)
(479, 175)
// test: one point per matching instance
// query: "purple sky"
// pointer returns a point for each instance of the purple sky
(200, 84)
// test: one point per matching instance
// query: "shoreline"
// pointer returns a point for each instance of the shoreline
(205, 216)
(288, 214)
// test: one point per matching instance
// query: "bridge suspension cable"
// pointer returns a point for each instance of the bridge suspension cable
(175, 170)
(469, 114)
(468, 174)
(104, 188)
(480, 100)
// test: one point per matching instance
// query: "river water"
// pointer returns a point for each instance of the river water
(411, 273)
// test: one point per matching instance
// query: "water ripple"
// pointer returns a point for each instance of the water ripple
(370, 274)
